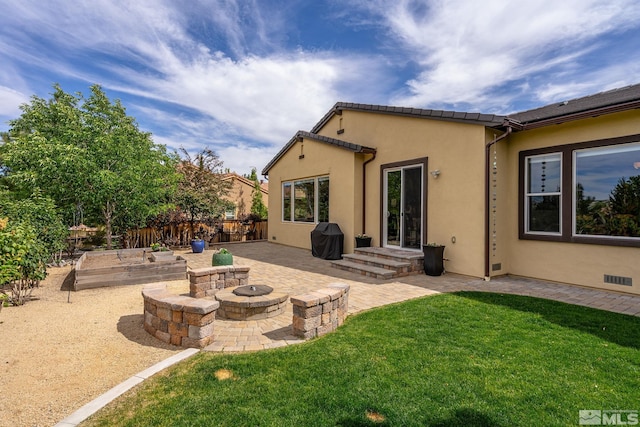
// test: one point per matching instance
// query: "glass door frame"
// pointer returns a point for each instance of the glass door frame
(401, 166)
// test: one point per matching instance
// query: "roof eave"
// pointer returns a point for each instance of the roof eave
(300, 135)
(593, 112)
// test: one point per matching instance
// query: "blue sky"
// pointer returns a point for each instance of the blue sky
(242, 77)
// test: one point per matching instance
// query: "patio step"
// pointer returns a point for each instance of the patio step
(365, 270)
(387, 263)
(382, 263)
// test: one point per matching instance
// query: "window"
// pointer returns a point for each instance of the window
(584, 193)
(607, 191)
(543, 191)
(230, 214)
(323, 199)
(303, 203)
(306, 200)
(286, 201)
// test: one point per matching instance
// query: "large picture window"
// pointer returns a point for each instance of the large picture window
(306, 200)
(584, 193)
(607, 191)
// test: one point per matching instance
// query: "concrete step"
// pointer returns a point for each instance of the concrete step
(366, 270)
(389, 264)
(394, 254)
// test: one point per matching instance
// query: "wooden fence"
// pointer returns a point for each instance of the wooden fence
(180, 234)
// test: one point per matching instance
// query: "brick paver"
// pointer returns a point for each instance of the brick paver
(296, 272)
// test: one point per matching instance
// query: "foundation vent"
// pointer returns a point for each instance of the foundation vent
(496, 267)
(617, 280)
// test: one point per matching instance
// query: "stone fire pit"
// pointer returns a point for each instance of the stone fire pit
(250, 303)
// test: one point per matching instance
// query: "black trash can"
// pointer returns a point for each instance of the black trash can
(433, 260)
(327, 241)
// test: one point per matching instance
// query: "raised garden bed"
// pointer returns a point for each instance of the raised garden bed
(127, 267)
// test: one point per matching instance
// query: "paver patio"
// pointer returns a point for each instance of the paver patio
(296, 271)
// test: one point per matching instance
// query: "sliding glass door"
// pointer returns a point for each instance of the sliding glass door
(403, 204)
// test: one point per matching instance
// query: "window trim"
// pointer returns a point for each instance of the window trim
(316, 196)
(567, 216)
(528, 195)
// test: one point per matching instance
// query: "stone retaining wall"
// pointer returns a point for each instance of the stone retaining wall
(177, 319)
(320, 312)
(204, 282)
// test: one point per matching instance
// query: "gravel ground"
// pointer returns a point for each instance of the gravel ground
(64, 349)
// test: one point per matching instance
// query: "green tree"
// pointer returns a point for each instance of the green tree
(258, 207)
(87, 152)
(30, 231)
(200, 188)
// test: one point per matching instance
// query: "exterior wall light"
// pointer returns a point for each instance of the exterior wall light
(435, 173)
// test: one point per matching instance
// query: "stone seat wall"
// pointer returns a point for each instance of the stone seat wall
(205, 282)
(177, 319)
(320, 312)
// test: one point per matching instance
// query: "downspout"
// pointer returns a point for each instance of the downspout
(364, 191)
(487, 195)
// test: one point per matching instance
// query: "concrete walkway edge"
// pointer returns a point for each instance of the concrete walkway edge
(101, 401)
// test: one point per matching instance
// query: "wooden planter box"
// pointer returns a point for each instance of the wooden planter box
(126, 267)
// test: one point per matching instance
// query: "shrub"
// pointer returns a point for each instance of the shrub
(31, 231)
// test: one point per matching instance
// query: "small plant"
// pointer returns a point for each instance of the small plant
(362, 236)
(433, 244)
(222, 257)
(4, 300)
(155, 247)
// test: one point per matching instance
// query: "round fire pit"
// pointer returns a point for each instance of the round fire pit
(252, 302)
(252, 291)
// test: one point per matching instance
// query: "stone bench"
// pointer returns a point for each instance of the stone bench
(205, 282)
(320, 312)
(177, 319)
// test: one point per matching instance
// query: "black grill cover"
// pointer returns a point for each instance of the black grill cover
(327, 241)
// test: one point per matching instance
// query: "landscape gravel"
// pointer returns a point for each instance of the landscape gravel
(64, 348)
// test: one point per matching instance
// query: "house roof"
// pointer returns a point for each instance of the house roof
(300, 135)
(490, 120)
(616, 100)
(232, 175)
(620, 99)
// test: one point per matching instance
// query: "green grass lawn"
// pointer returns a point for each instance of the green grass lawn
(465, 359)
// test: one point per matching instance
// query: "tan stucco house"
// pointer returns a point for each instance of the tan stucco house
(241, 195)
(551, 193)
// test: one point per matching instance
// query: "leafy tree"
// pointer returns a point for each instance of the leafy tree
(87, 152)
(200, 188)
(258, 207)
(29, 233)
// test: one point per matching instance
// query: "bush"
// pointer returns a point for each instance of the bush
(31, 231)
(22, 261)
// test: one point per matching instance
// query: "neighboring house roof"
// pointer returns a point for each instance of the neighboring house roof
(490, 120)
(247, 181)
(300, 135)
(626, 98)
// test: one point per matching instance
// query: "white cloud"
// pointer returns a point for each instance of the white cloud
(10, 101)
(467, 48)
(145, 49)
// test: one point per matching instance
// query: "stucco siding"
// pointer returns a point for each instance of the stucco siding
(455, 199)
(319, 159)
(582, 264)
